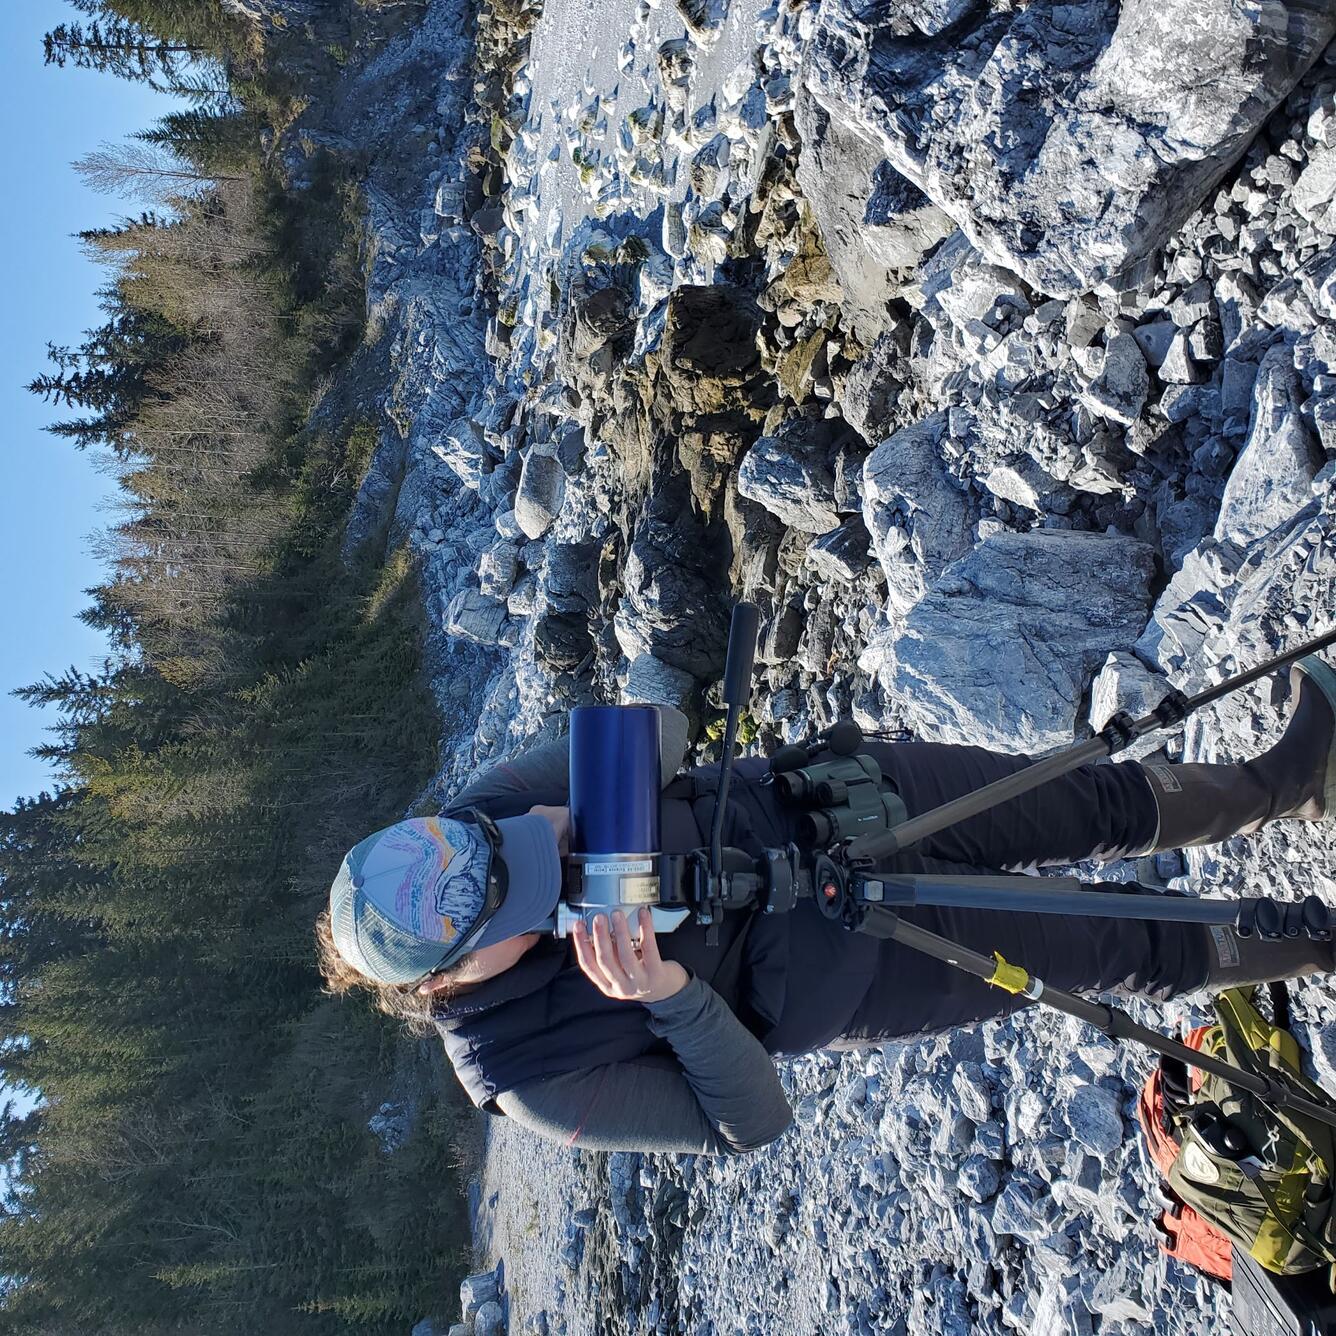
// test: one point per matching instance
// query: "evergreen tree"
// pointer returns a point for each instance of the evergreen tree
(116, 47)
(217, 144)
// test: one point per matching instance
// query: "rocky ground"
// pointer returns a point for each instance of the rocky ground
(990, 347)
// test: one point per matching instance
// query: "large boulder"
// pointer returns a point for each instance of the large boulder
(874, 222)
(1000, 650)
(709, 350)
(670, 605)
(918, 519)
(1068, 138)
(483, 1287)
(1273, 478)
(541, 491)
(790, 475)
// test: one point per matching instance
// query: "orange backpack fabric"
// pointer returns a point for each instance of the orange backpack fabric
(1184, 1234)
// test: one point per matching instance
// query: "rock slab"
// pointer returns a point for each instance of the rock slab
(1067, 138)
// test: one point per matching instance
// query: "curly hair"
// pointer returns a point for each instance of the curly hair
(400, 1000)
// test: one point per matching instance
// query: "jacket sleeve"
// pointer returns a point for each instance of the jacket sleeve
(547, 766)
(719, 1095)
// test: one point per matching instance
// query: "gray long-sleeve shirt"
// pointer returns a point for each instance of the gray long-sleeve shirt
(719, 1094)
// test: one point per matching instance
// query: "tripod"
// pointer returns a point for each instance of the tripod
(866, 825)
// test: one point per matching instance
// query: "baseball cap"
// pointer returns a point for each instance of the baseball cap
(415, 897)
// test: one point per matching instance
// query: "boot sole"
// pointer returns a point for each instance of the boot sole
(1323, 677)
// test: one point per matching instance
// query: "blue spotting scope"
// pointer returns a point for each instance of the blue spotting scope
(614, 797)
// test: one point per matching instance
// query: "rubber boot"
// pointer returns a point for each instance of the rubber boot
(1236, 961)
(1204, 804)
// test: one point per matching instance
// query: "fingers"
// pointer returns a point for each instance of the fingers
(586, 942)
(559, 818)
(605, 950)
(627, 955)
(582, 948)
(649, 943)
(606, 954)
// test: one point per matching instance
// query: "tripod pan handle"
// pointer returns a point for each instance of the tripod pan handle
(741, 653)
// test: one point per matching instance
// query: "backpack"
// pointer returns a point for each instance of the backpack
(1237, 1170)
(1184, 1235)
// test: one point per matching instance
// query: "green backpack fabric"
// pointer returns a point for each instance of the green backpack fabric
(1262, 1176)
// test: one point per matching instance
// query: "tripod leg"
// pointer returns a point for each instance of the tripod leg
(1015, 979)
(1094, 811)
(912, 993)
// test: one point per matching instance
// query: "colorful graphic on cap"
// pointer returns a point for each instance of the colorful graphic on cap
(427, 874)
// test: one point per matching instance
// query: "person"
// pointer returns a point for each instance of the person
(616, 1038)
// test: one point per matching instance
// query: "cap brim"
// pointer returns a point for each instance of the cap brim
(533, 873)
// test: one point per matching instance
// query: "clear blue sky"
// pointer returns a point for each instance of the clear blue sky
(53, 498)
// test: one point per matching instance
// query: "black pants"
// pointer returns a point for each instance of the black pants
(1093, 811)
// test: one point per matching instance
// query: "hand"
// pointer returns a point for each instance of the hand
(559, 818)
(617, 968)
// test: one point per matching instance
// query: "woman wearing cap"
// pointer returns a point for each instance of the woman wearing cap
(616, 1039)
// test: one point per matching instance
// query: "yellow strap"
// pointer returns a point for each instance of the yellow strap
(1014, 978)
(1258, 1033)
(1280, 1227)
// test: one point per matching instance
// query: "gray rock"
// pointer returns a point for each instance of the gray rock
(1021, 1213)
(1314, 194)
(1057, 157)
(463, 448)
(919, 521)
(873, 386)
(670, 606)
(843, 553)
(496, 570)
(1000, 650)
(1179, 366)
(875, 223)
(1195, 303)
(490, 1320)
(792, 479)
(1084, 321)
(1236, 298)
(973, 1091)
(450, 197)
(1118, 1294)
(505, 523)
(1124, 683)
(1119, 391)
(541, 491)
(473, 616)
(782, 632)
(1095, 1119)
(979, 1178)
(1180, 402)
(1154, 339)
(1272, 480)
(652, 682)
(476, 1290)
(432, 1326)
(982, 303)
